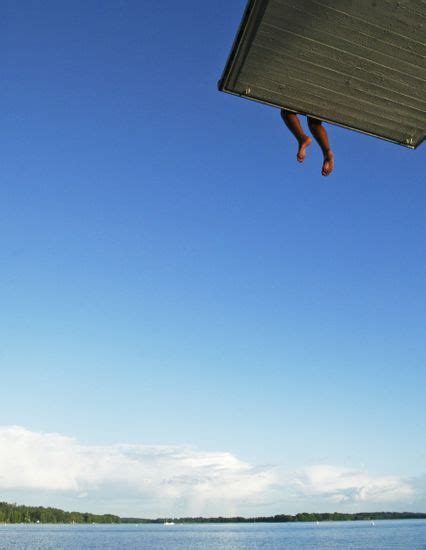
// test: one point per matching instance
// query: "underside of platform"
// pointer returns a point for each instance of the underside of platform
(356, 63)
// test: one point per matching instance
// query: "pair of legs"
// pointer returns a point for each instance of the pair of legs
(292, 122)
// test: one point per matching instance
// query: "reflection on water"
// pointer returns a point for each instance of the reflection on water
(403, 534)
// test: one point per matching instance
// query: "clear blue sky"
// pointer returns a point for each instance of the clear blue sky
(170, 275)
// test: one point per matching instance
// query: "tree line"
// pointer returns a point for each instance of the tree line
(14, 513)
(285, 518)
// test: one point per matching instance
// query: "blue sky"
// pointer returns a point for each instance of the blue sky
(172, 277)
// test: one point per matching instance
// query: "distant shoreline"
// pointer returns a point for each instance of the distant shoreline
(13, 514)
(284, 518)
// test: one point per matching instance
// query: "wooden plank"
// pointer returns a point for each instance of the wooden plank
(297, 27)
(278, 59)
(287, 70)
(301, 45)
(387, 14)
(326, 103)
(338, 24)
(311, 106)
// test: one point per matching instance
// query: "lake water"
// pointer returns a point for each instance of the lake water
(386, 535)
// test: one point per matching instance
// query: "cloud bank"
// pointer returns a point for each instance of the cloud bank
(148, 481)
(341, 485)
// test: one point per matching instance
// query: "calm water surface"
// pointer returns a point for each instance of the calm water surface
(403, 534)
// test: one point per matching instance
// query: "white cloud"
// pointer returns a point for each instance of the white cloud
(166, 477)
(340, 485)
(147, 481)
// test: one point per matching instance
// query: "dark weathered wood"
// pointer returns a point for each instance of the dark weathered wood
(309, 62)
(347, 33)
(326, 102)
(361, 64)
(271, 54)
(353, 92)
(313, 105)
(333, 17)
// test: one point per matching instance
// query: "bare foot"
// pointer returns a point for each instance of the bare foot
(303, 144)
(328, 164)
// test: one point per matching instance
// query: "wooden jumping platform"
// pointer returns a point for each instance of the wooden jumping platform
(356, 63)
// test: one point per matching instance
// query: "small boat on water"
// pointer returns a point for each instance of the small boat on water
(169, 523)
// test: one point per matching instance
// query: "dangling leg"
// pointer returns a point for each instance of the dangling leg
(320, 134)
(292, 122)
